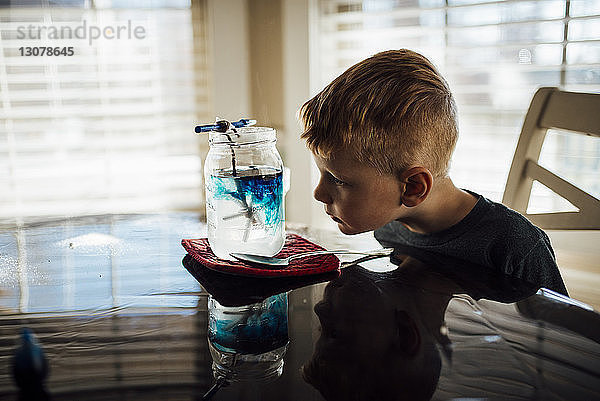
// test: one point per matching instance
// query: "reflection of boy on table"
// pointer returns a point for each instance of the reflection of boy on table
(382, 135)
(378, 335)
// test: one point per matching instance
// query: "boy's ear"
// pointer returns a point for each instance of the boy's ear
(417, 183)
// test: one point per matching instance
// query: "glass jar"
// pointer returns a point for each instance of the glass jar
(243, 175)
(248, 343)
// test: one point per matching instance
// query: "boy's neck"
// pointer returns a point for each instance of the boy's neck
(445, 206)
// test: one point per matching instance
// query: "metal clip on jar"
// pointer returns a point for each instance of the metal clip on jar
(243, 175)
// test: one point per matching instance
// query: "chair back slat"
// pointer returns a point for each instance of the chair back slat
(552, 108)
(576, 112)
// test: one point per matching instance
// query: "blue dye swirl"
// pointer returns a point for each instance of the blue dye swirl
(264, 191)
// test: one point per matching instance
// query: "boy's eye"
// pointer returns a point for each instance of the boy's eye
(336, 181)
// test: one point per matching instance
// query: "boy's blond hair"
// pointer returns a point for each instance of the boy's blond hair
(390, 111)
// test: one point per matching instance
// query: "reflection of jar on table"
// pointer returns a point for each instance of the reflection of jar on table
(248, 342)
(243, 175)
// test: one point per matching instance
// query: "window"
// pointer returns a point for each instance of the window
(110, 128)
(494, 54)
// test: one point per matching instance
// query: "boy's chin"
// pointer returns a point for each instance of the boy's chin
(349, 230)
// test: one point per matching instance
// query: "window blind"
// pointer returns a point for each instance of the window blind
(109, 129)
(494, 54)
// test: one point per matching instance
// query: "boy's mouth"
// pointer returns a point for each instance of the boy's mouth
(334, 218)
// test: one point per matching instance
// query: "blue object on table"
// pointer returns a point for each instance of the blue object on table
(224, 125)
(30, 366)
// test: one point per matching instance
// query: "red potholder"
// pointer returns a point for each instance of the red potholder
(200, 250)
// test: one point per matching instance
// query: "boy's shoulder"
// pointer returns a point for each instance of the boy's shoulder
(488, 222)
(510, 237)
(506, 224)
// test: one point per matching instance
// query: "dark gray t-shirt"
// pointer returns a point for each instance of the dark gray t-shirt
(493, 236)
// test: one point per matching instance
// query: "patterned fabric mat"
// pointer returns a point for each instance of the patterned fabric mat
(200, 250)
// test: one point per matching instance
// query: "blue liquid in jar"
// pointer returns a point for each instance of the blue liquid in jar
(245, 211)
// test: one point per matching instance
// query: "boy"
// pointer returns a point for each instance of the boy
(382, 135)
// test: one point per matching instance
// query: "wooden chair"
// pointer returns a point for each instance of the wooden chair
(552, 108)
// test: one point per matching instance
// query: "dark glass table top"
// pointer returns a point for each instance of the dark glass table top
(121, 313)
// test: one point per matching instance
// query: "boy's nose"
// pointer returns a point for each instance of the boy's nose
(321, 194)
